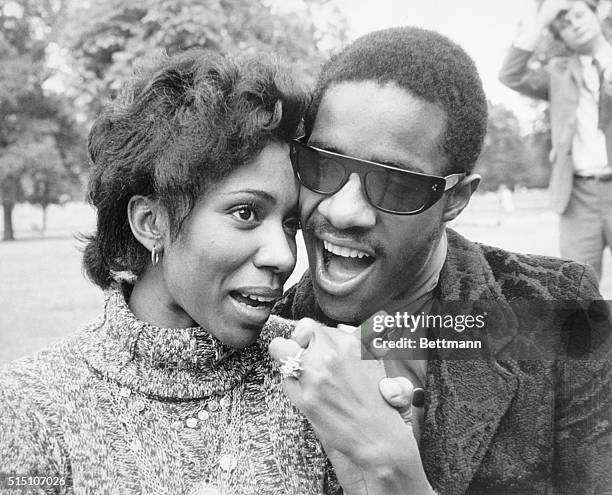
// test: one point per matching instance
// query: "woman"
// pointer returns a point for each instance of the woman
(171, 391)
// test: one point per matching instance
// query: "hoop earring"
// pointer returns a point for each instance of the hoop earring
(155, 255)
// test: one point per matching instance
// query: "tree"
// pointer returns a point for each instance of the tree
(39, 157)
(107, 39)
(511, 156)
(42, 165)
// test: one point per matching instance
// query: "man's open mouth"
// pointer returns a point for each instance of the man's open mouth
(343, 263)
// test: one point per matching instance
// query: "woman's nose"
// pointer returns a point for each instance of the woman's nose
(277, 251)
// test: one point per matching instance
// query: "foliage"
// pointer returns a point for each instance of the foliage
(39, 141)
(511, 156)
(107, 39)
(102, 42)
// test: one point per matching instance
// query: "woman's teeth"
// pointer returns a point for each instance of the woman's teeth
(253, 299)
(262, 299)
(346, 252)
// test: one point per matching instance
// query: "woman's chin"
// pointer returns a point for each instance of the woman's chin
(240, 337)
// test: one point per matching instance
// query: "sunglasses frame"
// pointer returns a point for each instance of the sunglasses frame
(439, 185)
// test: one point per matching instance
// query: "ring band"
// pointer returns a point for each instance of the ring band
(291, 366)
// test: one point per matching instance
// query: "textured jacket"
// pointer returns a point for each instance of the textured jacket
(508, 426)
(558, 82)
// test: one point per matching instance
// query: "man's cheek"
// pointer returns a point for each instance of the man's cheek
(307, 204)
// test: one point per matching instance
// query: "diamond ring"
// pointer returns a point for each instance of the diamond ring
(291, 366)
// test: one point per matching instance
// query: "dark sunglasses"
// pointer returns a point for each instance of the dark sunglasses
(389, 189)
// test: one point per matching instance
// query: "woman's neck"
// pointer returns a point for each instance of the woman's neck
(151, 302)
(176, 363)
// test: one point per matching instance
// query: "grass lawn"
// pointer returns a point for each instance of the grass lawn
(44, 296)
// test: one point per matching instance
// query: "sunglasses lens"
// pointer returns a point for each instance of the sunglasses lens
(391, 190)
(399, 192)
(317, 171)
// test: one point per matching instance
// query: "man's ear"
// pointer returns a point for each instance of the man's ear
(459, 197)
(147, 221)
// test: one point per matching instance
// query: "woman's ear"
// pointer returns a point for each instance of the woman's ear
(147, 221)
(460, 196)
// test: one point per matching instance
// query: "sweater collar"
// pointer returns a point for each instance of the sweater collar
(170, 363)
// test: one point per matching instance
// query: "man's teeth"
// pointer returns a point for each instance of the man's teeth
(343, 251)
(262, 299)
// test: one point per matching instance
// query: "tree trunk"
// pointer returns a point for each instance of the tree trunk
(7, 209)
(43, 229)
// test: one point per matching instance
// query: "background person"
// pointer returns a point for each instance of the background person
(579, 88)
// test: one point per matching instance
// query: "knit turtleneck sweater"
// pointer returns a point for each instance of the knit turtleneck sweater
(124, 407)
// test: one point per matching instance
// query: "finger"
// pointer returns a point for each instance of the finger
(293, 390)
(374, 352)
(348, 329)
(281, 348)
(367, 352)
(400, 393)
(373, 327)
(304, 331)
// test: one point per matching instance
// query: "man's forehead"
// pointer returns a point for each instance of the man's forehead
(382, 96)
(381, 122)
(572, 7)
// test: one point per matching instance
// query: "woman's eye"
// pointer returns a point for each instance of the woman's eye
(245, 214)
(292, 225)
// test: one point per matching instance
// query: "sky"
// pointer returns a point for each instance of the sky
(484, 28)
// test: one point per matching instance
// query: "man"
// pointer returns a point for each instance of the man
(400, 100)
(581, 120)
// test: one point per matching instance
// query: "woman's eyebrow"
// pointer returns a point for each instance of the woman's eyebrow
(262, 195)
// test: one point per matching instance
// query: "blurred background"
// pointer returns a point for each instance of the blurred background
(62, 60)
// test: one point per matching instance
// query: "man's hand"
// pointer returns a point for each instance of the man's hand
(336, 390)
(408, 401)
(365, 438)
(549, 10)
(533, 24)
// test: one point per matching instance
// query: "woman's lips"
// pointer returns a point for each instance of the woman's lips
(255, 303)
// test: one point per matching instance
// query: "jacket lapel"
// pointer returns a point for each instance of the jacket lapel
(575, 70)
(605, 110)
(466, 400)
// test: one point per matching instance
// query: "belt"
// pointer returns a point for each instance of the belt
(599, 178)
